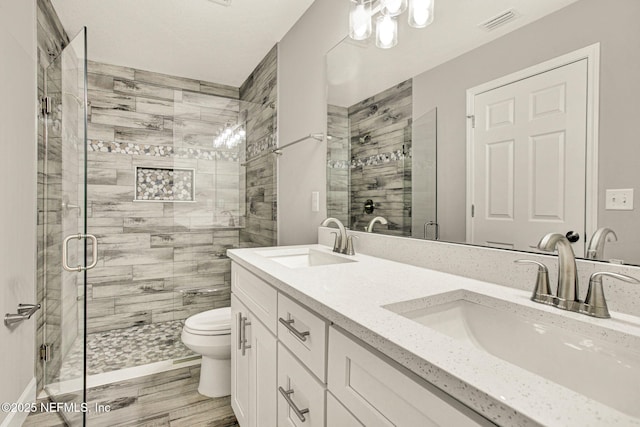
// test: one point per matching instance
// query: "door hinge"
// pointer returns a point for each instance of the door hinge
(45, 352)
(45, 105)
(473, 211)
(473, 121)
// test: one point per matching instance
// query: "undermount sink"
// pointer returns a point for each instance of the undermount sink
(537, 341)
(303, 257)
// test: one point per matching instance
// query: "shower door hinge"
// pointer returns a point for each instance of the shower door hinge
(45, 352)
(45, 105)
(473, 121)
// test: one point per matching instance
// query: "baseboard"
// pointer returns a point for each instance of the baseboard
(16, 419)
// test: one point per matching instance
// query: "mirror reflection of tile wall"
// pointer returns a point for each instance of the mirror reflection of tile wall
(370, 159)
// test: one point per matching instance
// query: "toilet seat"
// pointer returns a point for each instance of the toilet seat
(211, 322)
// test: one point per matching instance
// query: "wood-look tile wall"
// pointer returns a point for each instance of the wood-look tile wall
(259, 94)
(380, 130)
(151, 252)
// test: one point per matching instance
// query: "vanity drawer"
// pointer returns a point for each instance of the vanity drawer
(304, 333)
(259, 297)
(299, 392)
(379, 394)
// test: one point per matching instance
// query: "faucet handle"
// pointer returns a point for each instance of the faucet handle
(595, 304)
(542, 291)
(350, 249)
(337, 242)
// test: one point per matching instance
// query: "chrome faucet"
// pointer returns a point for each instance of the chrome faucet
(340, 244)
(595, 304)
(596, 244)
(567, 292)
(372, 223)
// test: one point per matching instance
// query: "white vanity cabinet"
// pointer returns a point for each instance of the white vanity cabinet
(315, 375)
(253, 356)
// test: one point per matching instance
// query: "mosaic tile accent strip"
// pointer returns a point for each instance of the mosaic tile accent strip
(265, 144)
(338, 164)
(375, 160)
(126, 348)
(162, 151)
(169, 185)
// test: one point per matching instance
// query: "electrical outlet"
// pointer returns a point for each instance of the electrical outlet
(619, 200)
(315, 201)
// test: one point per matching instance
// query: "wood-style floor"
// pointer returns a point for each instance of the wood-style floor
(166, 399)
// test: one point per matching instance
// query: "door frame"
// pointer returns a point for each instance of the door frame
(592, 54)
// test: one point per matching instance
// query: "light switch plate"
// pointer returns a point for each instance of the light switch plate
(315, 201)
(619, 200)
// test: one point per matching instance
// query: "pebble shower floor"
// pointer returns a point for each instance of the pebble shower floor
(126, 348)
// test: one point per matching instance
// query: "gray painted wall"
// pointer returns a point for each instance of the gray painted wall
(302, 106)
(18, 212)
(576, 26)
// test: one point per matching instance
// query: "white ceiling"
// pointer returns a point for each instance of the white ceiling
(357, 70)
(198, 39)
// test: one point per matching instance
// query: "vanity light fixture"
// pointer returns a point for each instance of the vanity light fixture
(360, 19)
(420, 13)
(393, 7)
(361, 12)
(386, 31)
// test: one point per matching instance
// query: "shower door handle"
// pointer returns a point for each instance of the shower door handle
(65, 252)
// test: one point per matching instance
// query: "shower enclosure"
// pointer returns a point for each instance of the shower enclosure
(156, 168)
(63, 227)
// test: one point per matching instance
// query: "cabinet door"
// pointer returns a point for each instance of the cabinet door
(263, 365)
(240, 383)
(300, 395)
(337, 415)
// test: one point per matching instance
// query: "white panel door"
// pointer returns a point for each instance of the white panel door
(528, 160)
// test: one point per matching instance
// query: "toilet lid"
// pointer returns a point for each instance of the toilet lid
(211, 320)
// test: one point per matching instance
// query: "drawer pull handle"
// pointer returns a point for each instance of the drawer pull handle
(244, 322)
(239, 316)
(302, 336)
(287, 396)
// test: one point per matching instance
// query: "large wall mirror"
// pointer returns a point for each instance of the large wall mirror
(493, 137)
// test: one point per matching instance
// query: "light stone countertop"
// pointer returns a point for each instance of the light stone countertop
(351, 295)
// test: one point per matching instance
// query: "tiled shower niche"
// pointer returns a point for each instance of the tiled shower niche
(164, 185)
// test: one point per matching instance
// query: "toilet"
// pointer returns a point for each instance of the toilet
(209, 334)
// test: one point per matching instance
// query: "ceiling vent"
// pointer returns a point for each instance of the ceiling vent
(499, 20)
(222, 2)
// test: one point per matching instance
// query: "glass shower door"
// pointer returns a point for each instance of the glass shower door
(67, 254)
